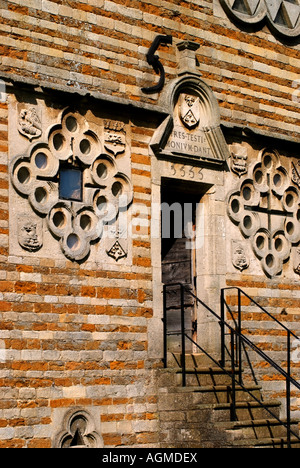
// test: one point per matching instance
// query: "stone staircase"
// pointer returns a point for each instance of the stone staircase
(199, 415)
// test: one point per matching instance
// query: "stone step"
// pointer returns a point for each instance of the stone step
(261, 428)
(208, 397)
(207, 375)
(245, 410)
(250, 410)
(277, 442)
(191, 360)
(222, 393)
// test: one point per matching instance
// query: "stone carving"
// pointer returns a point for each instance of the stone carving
(192, 129)
(105, 190)
(296, 173)
(189, 110)
(239, 258)
(283, 16)
(239, 158)
(266, 208)
(117, 252)
(29, 124)
(78, 431)
(114, 137)
(30, 234)
(297, 260)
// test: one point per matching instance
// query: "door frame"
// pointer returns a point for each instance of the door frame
(182, 236)
(211, 277)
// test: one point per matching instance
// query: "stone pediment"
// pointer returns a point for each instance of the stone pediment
(192, 130)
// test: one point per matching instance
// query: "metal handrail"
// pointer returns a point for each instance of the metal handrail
(262, 308)
(242, 339)
(236, 341)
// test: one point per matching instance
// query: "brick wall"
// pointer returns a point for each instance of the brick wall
(76, 334)
(100, 46)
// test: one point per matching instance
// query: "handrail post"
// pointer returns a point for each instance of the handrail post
(222, 326)
(239, 341)
(183, 357)
(288, 391)
(165, 325)
(233, 396)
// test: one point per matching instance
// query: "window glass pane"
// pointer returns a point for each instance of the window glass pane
(70, 184)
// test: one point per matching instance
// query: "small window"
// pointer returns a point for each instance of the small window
(70, 184)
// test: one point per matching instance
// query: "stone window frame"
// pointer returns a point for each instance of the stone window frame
(271, 248)
(35, 176)
(257, 13)
(91, 435)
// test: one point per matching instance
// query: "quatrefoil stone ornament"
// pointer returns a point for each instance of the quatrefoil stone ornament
(283, 16)
(74, 185)
(266, 207)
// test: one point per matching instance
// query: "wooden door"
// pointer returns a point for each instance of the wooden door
(179, 264)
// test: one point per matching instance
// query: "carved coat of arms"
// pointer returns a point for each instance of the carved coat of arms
(297, 260)
(296, 173)
(239, 159)
(189, 110)
(239, 257)
(117, 252)
(114, 137)
(29, 124)
(30, 234)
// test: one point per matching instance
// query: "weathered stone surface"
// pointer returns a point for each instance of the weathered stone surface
(82, 333)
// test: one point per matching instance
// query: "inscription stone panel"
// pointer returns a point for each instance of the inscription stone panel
(187, 136)
(194, 144)
(192, 131)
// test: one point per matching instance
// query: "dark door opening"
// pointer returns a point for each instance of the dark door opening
(178, 211)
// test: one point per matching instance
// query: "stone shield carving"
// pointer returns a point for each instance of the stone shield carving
(240, 259)
(189, 110)
(29, 124)
(297, 260)
(116, 251)
(30, 233)
(114, 137)
(239, 159)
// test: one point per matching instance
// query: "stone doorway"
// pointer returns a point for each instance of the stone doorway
(179, 206)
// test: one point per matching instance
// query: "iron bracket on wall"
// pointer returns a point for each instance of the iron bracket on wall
(154, 61)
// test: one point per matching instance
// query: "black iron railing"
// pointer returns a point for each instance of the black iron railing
(235, 350)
